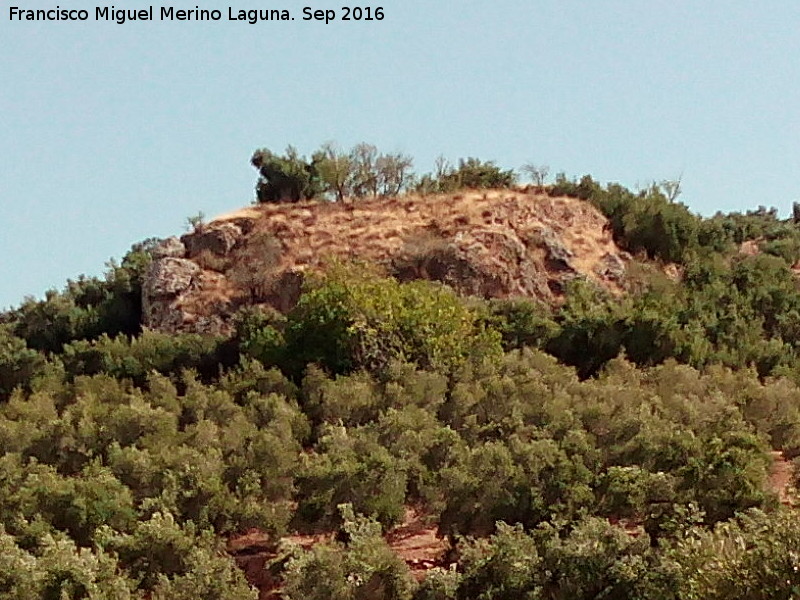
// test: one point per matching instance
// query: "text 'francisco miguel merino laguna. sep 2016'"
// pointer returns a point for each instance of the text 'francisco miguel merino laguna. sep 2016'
(170, 13)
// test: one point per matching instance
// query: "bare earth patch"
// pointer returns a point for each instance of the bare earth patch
(414, 541)
(780, 478)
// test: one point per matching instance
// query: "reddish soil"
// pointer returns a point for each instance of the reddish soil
(780, 478)
(416, 542)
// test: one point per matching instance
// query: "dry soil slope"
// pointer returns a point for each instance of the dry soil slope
(492, 244)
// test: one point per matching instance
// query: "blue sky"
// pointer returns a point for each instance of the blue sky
(114, 133)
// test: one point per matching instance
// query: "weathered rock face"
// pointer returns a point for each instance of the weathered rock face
(171, 247)
(529, 247)
(168, 277)
(173, 298)
(495, 264)
(216, 238)
(612, 267)
(494, 244)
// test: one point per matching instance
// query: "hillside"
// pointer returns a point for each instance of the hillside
(286, 402)
(492, 244)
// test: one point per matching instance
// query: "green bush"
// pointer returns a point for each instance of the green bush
(349, 467)
(172, 561)
(517, 482)
(87, 308)
(151, 351)
(753, 557)
(365, 568)
(647, 221)
(285, 178)
(352, 321)
(59, 571)
(18, 363)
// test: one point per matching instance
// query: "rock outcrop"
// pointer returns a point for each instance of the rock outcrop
(177, 295)
(491, 244)
(218, 239)
(171, 247)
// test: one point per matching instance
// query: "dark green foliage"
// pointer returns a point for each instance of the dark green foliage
(591, 329)
(592, 560)
(516, 482)
(740, 312)
(752, 557)
(364, 568)
(135, 359)
(331, 173)
(285, 178)
(354, 469)
(475, 174)
(652, 222)
(88, 308)
(18, 363)
(647, 221)
(57, 570)
(171, 561)
(471, 173)
(362, 172)
(523, 431)
(200, 456)
(522, 323)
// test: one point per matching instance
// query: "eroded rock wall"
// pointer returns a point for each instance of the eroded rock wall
(491, 244)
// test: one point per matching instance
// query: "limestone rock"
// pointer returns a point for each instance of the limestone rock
(170, 293)
(612, 267)
(171, 247)
(216, 238)
(167, 277)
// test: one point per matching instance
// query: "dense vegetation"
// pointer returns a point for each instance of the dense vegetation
(363, 172)
(529, 434)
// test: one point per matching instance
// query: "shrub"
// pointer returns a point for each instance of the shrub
(151, 351)
(518, 482)
(753, 557)
(173, 561)
(87, 308)
(287, 178)
(365, 568)
(504, 567)
(18, 363)
(352, 321)
(646, 221)
(349, 467)
(522, 323)
(59, 571)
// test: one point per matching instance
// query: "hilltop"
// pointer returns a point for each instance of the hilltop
(450, 390)
(492, 244)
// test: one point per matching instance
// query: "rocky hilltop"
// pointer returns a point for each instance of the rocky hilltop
(493, 244)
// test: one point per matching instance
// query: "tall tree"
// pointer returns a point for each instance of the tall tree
(287, 178)
(335, 170)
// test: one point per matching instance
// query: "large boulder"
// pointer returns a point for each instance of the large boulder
(216, 238)
(176, 295)
(170, 247)
(168, 277)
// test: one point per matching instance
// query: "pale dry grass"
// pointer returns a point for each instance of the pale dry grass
(248, 212)
(377, 230)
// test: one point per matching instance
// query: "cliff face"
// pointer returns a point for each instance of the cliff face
(493, 244)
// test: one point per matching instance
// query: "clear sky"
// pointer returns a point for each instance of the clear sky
(114, 133)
